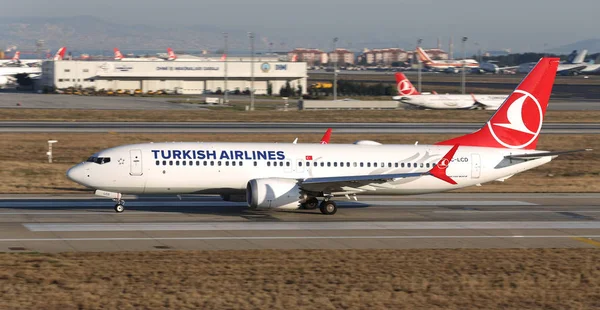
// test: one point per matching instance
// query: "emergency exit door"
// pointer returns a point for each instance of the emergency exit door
(135, 162)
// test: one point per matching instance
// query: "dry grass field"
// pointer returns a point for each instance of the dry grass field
(304, 279)
(364, 116)
(26, 170)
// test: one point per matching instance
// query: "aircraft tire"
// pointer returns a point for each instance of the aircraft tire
(328, 207)
(311, 204)
(119, 208)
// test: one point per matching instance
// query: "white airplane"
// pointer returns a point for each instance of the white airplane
(441, 65)
(120, 57)
(283, 176)
(10, 74)
(408, 94)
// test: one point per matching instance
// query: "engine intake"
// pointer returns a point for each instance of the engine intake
(274, 193)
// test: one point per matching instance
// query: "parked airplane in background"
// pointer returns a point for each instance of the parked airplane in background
(10, 74)
(17, 61)
(408, 94)
(291, 176)
(120, 56)
(441, 65)
(572, 66)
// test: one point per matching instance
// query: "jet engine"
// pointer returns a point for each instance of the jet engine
(274, 193)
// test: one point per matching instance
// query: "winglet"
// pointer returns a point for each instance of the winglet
(439, 170)
(326, 137)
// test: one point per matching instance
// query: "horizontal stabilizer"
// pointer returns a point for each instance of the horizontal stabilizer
(544, 154)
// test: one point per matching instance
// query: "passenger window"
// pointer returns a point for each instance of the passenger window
(241, 163)
(170, 163)
(158, 162)
(402, 165)
(299, 164)
(212, 163)
(328, 164)
(408, 165)
(164, 162)
(255, 164)
(227, 163)
(422, 165)
(191, 163)
(233, 163)
(219, 163)
(322, 164)
(389, 165)
(368, 165)
(177, 163)
(287, 163)
(354, 164)
(362, 164)
(347, 164)
(269, 164)
(335, 164)
(205, 163)
(374, 164)
(184, 163)
(197, 163)
(395, 165)
(315, 164)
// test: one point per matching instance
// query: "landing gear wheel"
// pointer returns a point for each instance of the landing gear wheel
(119, 208)
(311, 204)
(328, 207)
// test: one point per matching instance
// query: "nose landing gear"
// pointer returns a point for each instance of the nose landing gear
(119, 207)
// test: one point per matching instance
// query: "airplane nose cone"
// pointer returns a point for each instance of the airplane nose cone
(76, 174)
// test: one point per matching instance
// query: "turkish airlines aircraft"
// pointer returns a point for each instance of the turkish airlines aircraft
(10, 74)
(293, 176)
(444, 64)
(408, 94)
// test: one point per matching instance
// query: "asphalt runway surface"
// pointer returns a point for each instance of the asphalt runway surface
(86, 223)
(245, 128)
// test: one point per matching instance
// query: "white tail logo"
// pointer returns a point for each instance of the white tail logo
(515, 117)
(405, 88)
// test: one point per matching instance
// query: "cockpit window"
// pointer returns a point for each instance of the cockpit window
(98, 160)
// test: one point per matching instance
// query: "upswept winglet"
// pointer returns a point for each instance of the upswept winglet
(439, 170)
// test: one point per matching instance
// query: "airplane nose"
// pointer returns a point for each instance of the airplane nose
(76, 174)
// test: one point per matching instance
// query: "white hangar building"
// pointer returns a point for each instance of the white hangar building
(184, 77)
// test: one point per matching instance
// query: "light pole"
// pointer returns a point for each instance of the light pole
(225, 96)
(251, 36)
(464, 41)
(419, 66)
(335, 69)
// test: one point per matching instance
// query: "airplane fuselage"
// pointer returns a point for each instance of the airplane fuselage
(439, 102)
(226, 168)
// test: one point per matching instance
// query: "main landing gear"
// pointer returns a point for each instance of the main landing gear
(119, 207)
(328, 207)
(311, 204)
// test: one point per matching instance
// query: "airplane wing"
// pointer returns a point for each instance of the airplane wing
(362, 183)
(544, 154)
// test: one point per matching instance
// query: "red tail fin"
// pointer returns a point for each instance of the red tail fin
(326, 136)
(172, 55)
(118, 54)
(223, 57)
(439, 171)
(405, 87)
(17, 56)
(60, 54)
(518, 122)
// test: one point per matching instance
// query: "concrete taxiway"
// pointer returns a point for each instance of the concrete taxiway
(87, 223)
(243, 127)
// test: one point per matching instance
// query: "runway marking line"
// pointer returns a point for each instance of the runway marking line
(589, 241)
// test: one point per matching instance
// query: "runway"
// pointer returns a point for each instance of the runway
(87, 223)
(240, 127)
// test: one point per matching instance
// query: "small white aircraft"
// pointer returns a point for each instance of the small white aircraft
(408, 94)
(290, 176)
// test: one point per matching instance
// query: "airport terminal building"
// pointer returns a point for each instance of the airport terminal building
(182, 77)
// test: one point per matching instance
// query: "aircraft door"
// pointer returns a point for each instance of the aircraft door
(135, 164)
(475, 166)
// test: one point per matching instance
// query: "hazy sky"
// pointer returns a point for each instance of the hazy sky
(522, 25)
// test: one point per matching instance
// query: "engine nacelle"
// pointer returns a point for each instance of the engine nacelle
(274, 193)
